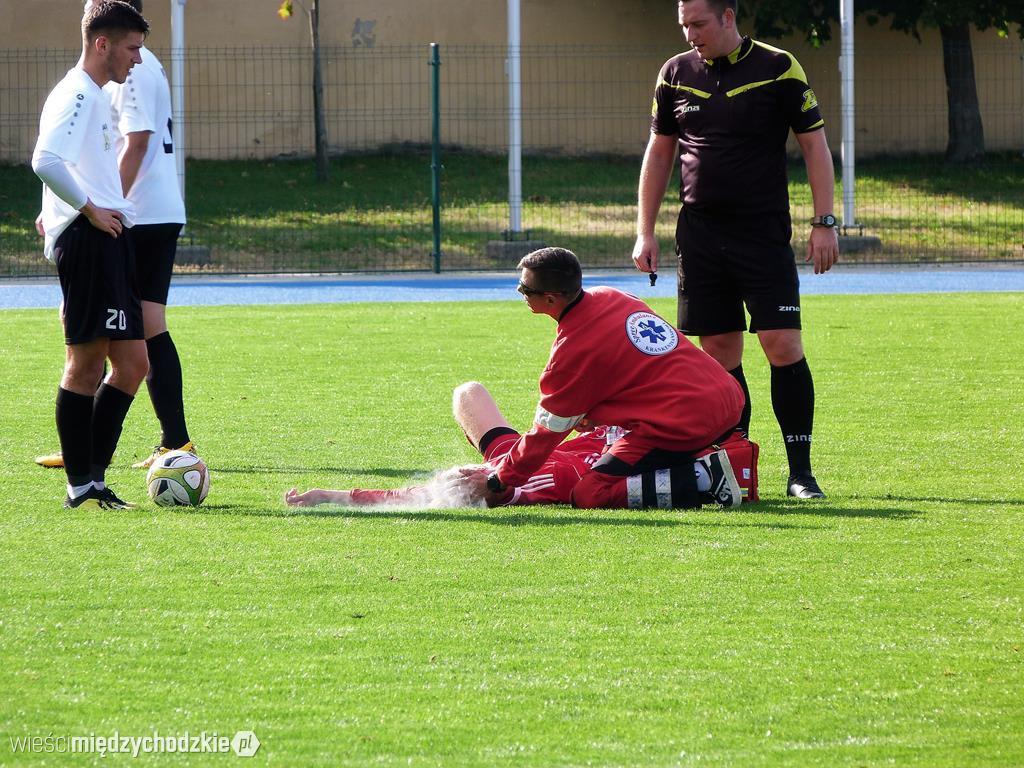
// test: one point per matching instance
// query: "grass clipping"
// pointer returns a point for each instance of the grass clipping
(444, 489)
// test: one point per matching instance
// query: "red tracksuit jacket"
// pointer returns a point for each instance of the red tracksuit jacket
(615, 362)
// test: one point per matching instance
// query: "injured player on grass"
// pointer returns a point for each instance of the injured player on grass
(486, 429)
(444, 489)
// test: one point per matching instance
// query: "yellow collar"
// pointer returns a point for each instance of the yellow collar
(734, 55)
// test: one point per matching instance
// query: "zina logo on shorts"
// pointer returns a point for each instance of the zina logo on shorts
(650, 334)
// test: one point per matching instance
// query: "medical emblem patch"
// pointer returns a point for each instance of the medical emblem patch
(650, 334)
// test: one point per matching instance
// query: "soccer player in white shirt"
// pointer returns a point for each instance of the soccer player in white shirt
(84, 218)
(149, 177)
(145, 148)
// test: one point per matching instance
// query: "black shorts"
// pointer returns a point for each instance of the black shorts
(97, 280)
(155, 246)
(726, 263)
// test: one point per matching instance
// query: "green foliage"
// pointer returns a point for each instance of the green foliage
(773, 19)
(911, 15)
(778, 18)
(879, 627)
(374, 212)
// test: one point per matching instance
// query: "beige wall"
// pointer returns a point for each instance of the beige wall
(398, 22)
(249, 92)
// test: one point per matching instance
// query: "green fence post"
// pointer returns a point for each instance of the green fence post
(435, 150)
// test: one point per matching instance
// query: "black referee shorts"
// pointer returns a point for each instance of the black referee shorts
(97, 280)
(155, 246)
(725, 264)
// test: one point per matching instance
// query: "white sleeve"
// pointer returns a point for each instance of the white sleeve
(54, 174)
(62, 123)
(134, 102)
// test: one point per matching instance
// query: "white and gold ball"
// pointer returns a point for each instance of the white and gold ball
(178, 478)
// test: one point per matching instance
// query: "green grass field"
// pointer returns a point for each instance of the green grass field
(375, 211)
(883, 626)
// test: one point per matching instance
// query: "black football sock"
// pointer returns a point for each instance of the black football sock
(680, 483)
(793, 402)
(74, 430)
(164, 384)
(737, 373)
(109, 410)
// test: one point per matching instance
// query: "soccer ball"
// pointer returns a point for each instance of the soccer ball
(178, 478)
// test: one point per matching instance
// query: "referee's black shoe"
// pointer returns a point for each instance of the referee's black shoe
(804, 486)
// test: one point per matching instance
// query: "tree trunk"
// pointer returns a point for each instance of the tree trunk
(966, 137)
(319, 120)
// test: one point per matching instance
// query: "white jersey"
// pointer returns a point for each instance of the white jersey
(75, 126)
(143, 103)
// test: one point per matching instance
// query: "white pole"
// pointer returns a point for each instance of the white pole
(849, 111)
(178, 87)
(515, 123)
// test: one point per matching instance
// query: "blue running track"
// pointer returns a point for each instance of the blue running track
(193, 291)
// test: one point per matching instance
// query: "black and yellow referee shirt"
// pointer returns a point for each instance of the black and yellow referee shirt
(732, 116)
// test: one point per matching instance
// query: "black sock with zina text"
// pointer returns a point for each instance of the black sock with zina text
(793, 402)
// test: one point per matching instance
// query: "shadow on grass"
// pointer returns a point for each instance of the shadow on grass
(506, 518)
(515, 516)
(381, 471)
(512, 516)
(944, 500)
(825, 508)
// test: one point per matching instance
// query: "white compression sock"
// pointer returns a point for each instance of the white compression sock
(74, 491)
(703, 478)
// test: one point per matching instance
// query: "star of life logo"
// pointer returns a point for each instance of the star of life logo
(650, 334)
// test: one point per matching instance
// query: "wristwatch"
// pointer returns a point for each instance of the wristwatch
(494, 485)
(825, 220)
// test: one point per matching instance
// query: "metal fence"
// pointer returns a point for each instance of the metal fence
(254, 205)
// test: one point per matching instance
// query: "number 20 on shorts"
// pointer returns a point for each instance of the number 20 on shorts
(116, 320)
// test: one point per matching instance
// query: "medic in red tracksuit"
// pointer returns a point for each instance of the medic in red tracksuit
(614, 361)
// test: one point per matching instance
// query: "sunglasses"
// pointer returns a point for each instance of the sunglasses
(528, 291)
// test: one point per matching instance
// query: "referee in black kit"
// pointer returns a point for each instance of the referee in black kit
(726, 108)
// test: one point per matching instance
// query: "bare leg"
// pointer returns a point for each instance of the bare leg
(128, 365)
(79, 359)
(782, 347)
(475, 411)
(726, 348)
(83, 366)
(154, 318)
